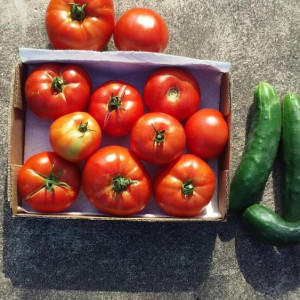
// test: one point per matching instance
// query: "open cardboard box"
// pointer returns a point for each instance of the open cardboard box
(28, 134)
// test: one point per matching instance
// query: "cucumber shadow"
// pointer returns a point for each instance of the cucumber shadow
(43, 254)
(269, 270)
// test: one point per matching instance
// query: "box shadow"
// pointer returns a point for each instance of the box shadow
(106, 255)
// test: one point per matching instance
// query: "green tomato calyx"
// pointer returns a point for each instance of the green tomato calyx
(159, 135)
(83, 127)
(120, 183)
(50, 182)
(114, 103)
(77, 11)
(187, 187)
(58, 84)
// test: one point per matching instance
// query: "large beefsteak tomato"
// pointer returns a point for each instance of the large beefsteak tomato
(53, 90)
(184, 187)
(80, 24)
(116, 182)
(48, 183)
(173, 91)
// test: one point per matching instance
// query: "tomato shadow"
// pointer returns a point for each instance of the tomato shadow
(269, 270)
(105, 255)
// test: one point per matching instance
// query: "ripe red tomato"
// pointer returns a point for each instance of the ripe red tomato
(49, 183)
(206, 133)
(157, 138)
(172, 91)
(141, 29)
(75, 136)
(53, 90)
(184, 187)
(116, 182)
(80, 24)
(116, 105)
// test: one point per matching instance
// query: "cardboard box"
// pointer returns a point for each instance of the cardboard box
(28, 134)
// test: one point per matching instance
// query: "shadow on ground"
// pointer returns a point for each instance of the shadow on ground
(106, 256)
(269, 270)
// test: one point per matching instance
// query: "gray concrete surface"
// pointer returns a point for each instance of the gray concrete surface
(56, 259)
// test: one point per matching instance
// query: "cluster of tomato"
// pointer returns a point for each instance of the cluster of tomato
(89, 25)
(113, 177)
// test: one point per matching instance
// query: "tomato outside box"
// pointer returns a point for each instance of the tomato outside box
(28, 134)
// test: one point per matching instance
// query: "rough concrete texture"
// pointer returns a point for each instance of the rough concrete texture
(59, 259)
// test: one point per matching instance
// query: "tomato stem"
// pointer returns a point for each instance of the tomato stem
(57, 84)
(77, 12)
(120, 183)
(83, 127)
(50, 182)
(114, 103)
(187, 187)
(159, 136)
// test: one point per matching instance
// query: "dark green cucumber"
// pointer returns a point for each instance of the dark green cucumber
(269, 228)
(291, 156)
(257, 160)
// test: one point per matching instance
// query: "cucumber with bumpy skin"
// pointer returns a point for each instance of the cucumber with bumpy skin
(257, 160)
(266, 226)
(291, 156)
